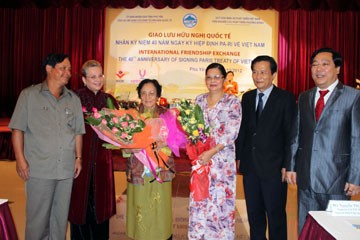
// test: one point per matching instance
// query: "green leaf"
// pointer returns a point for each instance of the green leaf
(130, 117)
(110, 146)
(109, 103)
(93, 121)
(141, 123)
(199, 116)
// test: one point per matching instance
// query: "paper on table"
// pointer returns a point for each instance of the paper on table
(356, 226)
(3, 201)
(340, 227)
(344, 208)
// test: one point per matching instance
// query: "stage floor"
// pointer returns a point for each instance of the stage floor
(12, 188)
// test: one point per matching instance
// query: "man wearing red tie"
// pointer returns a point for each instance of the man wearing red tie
(324, 157)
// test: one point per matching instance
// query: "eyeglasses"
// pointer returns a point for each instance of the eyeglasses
(94, 77)
(216, 77)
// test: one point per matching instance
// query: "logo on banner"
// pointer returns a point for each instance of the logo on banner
(190, 20)
(142, 73)
(120, 74)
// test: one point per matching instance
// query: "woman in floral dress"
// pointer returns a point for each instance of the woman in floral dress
(214, 217)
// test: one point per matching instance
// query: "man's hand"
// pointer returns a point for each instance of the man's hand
(23, 169)
(351, 189)
(78, 167)
(22, 165)
(283, 174)
(290, 177)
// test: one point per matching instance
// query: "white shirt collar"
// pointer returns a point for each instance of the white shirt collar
(266, 94)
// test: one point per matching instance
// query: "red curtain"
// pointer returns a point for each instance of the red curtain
(302, 32)
(30, 29)
(29, 34)
(339, 5)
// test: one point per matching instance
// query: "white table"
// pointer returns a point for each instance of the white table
(339, 227)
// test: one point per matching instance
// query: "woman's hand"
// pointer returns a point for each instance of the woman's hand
(205, 157)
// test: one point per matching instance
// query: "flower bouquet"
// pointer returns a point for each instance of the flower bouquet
(120, 125)
(192, 122)
(128, 129)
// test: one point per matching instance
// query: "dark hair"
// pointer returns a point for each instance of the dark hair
(335, 55)
(52, 59)
(156, 84)
(230, 72)
(273, 64)
(218, 66)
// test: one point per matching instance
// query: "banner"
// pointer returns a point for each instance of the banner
(175, 46)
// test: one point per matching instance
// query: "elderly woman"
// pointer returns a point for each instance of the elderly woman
(214, 217)
(149, 203)
(93, 193)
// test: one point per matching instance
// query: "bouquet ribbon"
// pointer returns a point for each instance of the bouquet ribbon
(199, 182)
(148, 156)
(144, 158)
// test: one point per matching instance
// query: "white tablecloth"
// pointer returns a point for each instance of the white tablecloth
(341, 228)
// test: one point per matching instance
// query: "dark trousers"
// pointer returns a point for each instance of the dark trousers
(266, 203)
(309, 200)
(91, 230)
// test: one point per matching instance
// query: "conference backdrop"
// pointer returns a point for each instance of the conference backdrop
(175, 46)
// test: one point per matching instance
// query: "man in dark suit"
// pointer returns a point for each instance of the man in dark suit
(324, 159)
(268, 113)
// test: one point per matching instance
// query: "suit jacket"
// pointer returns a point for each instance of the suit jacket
(326, 154)
(261, 147)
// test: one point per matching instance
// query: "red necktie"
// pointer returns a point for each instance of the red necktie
(320, 104)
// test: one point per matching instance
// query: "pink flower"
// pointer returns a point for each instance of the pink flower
(124, 124)
(132, 125)
(124, 135)
(221, 129)
(94, 110)
(97, 115)
(84, 109)
(115, 120)
(228, 193)
(114, 130)
(104, 121)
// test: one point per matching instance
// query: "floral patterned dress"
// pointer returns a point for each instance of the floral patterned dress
(214, 218)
